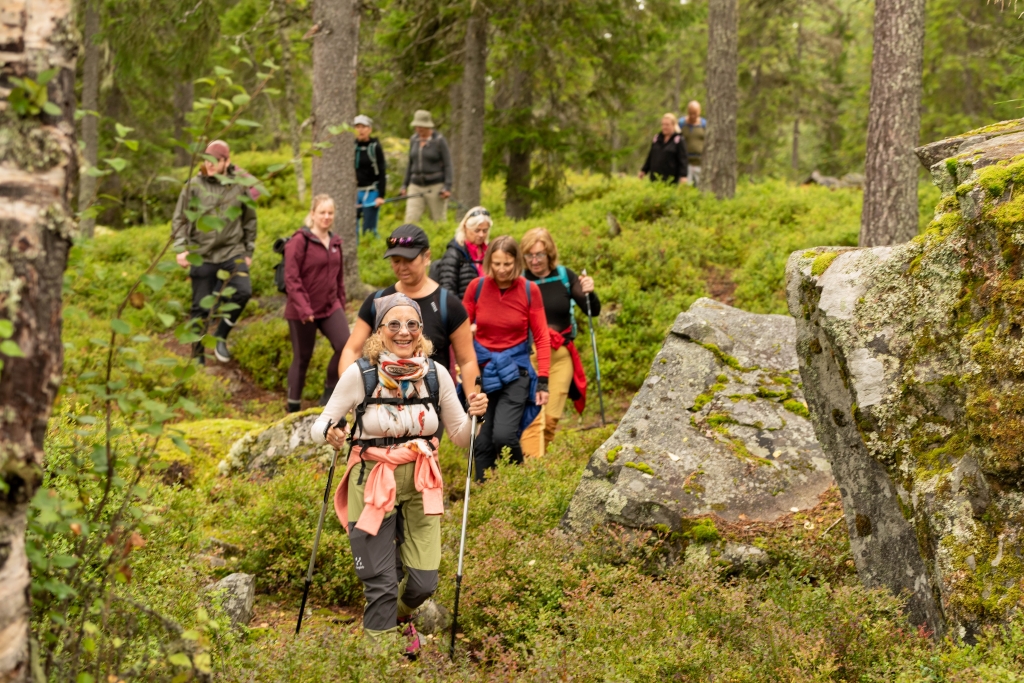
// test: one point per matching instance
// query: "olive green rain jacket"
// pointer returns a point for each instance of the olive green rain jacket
(238, 236)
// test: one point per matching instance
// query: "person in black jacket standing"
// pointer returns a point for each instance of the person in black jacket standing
(667, 159)
(371, 176)
(463, 259)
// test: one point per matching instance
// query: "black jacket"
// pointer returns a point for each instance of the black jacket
(366, 175)
(429, 164)
(456, 269)
(667, 159)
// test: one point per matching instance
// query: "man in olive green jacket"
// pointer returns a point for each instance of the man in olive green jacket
(222, 231)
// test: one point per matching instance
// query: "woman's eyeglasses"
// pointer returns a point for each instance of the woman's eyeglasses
(479, 212)
(539, 256)
(400, 241)
(395, 326)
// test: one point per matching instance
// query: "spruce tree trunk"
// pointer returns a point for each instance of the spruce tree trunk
(35, 234)
(90, 103)
(335, 53)
(454, 126)
(520, 149)
(894, 120)
(289, 106)
(184, 95)
(474, 103)
(719, 163)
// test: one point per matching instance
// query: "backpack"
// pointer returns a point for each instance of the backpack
(564, 278)
(371, 151)
(279, 282)
(370, 381)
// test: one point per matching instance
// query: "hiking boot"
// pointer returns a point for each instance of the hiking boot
(412, 649)
(293, 406)
(221, 352)
(326, 396)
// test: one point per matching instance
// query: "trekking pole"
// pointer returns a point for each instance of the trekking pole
(319, 528)
(462, 542)
(396, 199)
(597, 364)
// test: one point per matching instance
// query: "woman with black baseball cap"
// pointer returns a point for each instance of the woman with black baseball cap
(445, 322)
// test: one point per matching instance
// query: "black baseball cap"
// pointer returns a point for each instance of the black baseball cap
(407, 241)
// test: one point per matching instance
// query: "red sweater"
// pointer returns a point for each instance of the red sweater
(315, 277)
(503, 320)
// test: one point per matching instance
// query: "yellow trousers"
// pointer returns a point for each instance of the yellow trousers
(559, 381)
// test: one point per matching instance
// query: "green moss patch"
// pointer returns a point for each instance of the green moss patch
(640, 466)
(822, 262)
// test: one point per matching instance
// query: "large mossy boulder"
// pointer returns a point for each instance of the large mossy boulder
(912, 360)
(718, 427)
(262, 452)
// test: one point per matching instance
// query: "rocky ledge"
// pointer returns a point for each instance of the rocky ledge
(718, 427)
(912, 360)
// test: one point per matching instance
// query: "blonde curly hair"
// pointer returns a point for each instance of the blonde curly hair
(374, 346)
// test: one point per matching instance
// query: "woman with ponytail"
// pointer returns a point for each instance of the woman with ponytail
(314, 277)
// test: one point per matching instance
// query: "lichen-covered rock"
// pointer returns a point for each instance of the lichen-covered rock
(912, 359)
(719, 426)
(236, 593)
(264, 451)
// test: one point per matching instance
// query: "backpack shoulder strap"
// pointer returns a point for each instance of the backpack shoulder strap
(444, 309)
(434, 387)
(371, 151)
(479, 286)
(369, 375)
(564, 277)
(528, 292)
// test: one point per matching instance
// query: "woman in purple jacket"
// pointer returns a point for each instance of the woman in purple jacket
(315, 281)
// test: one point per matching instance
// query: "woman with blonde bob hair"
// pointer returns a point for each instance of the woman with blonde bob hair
(666, 160)
(314, 278)
(507, 310)
(392, 487)
(464, 258)
(562, 290)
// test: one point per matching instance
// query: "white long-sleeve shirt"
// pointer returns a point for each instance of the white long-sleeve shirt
(349, 393)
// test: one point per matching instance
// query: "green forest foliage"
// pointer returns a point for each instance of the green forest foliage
(600, 73)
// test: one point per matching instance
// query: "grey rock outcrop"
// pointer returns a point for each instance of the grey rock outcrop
(718, 427)
(236, 593)
(912, 360)
(265, 451)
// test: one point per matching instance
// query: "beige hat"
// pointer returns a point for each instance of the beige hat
(422, 119)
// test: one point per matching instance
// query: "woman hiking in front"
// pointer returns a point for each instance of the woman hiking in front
(393, 480)
(507, 311)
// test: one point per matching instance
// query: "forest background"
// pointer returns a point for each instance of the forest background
(570, 85)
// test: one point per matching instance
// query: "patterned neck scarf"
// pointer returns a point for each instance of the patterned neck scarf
(402, 378)
(476, 255)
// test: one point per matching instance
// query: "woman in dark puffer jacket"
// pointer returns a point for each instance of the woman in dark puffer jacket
(463, 260)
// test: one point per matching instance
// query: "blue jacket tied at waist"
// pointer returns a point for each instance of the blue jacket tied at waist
(501, 368)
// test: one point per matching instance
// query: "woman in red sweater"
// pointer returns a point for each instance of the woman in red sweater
(315, 281)
(508, 315)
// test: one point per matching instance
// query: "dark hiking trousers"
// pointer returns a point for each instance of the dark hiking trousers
(303, 334)
(407, 538)
(205, 282)
(501, 425)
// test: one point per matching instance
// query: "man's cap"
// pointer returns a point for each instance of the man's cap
(363, 120)
(422, 119)
(407, 241)
(382, 305)
(219, 149)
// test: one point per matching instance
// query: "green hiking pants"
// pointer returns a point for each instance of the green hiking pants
(398, 566)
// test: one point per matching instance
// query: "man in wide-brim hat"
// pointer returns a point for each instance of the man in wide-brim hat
(428, 177)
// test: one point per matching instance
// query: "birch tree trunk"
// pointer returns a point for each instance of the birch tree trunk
(91, 104)
(289, 106)
(474, 104)
(719, 163)
(37, 171)
(894, 121)
(335, 53)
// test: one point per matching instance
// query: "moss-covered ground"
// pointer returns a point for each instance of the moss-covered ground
(536, 605)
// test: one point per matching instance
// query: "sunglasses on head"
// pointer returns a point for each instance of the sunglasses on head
(479, 212)
(400, 241)
(395, 326)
